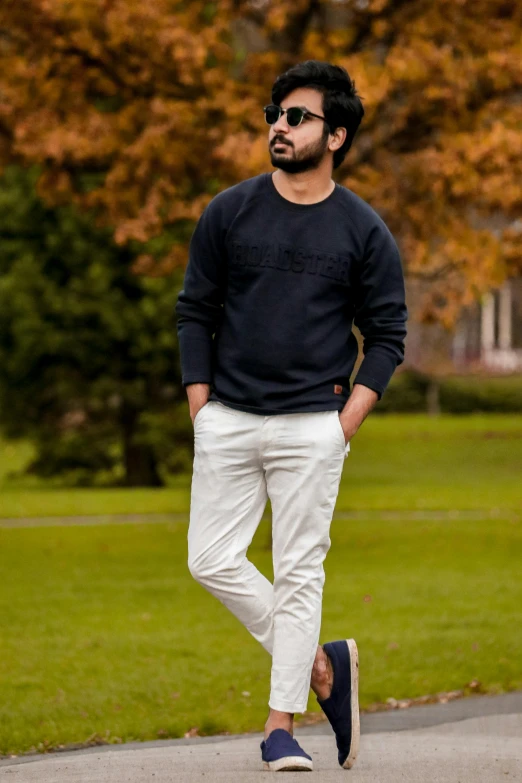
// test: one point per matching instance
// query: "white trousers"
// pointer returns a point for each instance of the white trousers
(240, 460)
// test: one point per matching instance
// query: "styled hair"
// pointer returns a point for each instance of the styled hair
(342, 106)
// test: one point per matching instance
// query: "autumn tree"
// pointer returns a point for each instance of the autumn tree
(141, 112)
(124, 105)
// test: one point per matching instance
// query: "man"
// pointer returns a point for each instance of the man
(280, 266)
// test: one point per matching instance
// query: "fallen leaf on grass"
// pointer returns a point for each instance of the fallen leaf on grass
(193, 732)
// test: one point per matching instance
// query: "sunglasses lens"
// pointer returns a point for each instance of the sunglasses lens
(272, 113)
(294, 116)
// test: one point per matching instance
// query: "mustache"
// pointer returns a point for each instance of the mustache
(277, 140)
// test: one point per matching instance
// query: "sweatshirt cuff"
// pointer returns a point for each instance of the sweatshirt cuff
(186, 380)
(376, 370)
(371, 383)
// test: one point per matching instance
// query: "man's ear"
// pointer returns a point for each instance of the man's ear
(337, 140)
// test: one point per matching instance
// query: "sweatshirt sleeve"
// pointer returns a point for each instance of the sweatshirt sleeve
(380, 311)
(199, 305)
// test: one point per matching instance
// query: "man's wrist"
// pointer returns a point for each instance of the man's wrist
(198, 394)
(358, 406)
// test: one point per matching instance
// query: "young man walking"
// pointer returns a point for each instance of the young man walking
(280, 267)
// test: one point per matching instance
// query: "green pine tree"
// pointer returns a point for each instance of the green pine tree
(89, 364)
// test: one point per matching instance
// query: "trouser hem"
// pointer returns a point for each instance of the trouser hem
(282, 706)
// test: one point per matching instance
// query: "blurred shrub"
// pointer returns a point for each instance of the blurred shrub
(408, 392)
(481, 394)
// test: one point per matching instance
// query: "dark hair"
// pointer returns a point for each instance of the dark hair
(342, 105)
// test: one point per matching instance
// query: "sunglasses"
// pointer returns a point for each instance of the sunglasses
(294, 115)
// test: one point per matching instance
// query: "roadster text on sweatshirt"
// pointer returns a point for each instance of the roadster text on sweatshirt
(271, 291)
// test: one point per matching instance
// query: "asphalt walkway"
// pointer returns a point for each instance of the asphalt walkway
(408, 515)
(474, 740)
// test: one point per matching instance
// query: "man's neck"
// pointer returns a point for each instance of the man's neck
(307, 187)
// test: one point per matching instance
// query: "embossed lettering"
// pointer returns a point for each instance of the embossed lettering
(311, 263)
(297, 260)
(343, 270)
(284, 257)
(238, 254)
(330, 265)
(268, 257)
(254, 256)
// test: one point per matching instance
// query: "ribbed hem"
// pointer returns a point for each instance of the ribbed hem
(196, 379)
(320, 407)
(370, 383)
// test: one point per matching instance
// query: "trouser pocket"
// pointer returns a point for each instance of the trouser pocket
(345, 445)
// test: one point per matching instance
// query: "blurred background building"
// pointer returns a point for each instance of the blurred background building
(487, 336)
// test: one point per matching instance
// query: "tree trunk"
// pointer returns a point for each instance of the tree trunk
(433, 398)
(141, 469)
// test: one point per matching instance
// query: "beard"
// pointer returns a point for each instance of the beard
(307, 158)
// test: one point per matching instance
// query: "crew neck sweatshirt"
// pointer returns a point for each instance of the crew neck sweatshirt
(271, 291)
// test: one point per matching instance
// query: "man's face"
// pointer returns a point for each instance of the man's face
(301, 148)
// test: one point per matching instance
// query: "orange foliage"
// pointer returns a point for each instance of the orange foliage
(142, 111)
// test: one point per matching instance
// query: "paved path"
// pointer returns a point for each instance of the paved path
(417, 515)
(475, 740)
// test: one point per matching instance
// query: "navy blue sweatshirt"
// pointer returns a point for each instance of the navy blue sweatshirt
(271, 291)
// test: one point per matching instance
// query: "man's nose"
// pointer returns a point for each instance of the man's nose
(281, 126)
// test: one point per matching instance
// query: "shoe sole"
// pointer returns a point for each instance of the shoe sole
(356, 726)
(288, 764)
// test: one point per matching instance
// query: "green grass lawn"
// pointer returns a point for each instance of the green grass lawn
(104, 633)
(396, 462)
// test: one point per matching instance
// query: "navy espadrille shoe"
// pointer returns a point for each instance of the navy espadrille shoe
(342, 705)
(280, 752)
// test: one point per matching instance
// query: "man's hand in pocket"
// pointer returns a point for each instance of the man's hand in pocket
(360, 403)
(198, 394)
